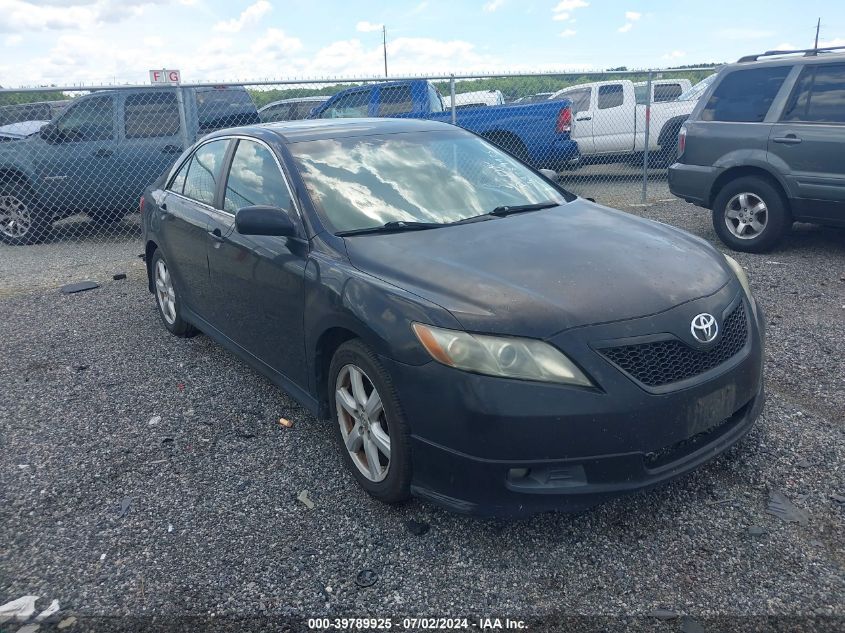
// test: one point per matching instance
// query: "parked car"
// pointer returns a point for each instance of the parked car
(477, 335)
(609, 121)
(764, 147)
(35, 111)
(99, 154)
(289, 109)
(537, 133)
(475, 99)
(696, 91)
(662, 90)
(17, 131)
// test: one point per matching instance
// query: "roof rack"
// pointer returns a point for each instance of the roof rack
(808, 52)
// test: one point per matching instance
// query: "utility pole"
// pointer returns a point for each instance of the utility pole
(384, 43)
(818, 26)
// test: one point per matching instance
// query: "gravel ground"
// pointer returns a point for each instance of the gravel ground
(143, 475)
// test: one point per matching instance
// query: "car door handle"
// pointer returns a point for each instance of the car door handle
(171, 149)
(216, 235)
(583, 117)
(103, 152)
(789, 139)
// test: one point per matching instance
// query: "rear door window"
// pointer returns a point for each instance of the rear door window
(354, 104)
(395, 100)
(610, 96)
(151, 115)
(204, 171)
(745, 96)
(666, 92)
(818, 96)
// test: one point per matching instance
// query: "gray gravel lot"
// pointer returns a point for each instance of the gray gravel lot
(99, 405)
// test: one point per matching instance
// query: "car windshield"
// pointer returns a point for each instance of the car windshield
(442, 177)
(694, 93)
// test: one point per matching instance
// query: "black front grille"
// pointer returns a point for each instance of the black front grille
(664, 362)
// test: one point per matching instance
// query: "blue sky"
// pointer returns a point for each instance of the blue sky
(73, 41)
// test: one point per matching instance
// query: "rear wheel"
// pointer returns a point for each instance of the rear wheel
(20, 222)
(371, 428)
(750, 214)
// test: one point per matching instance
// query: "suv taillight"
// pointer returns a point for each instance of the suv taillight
(564, 120)
(682, 140)
(141, 206)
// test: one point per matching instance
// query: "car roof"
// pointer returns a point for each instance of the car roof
(772, 58)
(296, 100)
(317, 129)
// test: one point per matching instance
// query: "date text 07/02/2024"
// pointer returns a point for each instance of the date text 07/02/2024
(386, 624)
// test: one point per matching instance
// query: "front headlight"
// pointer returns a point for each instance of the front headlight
(525, 359)
(740, 274)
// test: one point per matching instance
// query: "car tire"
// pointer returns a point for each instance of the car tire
(359, 432)
(167, 299)
(750, 214)
(20, 222)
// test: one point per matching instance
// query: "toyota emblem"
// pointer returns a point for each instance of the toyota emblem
(704, 328)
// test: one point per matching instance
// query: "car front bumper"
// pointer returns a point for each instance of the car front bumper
(692, 183)
(498, 447)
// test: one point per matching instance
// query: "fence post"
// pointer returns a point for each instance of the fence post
(452, 93)
(647, 140)
(183, 119)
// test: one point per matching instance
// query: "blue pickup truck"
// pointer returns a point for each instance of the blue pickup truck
(537, 133)
(99, 154)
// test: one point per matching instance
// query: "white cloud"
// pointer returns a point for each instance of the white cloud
(13, 40)
(493, 5)
(632, 16)
(674, 55)
(422, 6)
(29, 15)
(570, 5)
(249, 16)
(366, 27)
(564, 9)
(625, 27)
(567, 33)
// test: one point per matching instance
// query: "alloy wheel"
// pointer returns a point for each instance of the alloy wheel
(746, 216)
(15, 220)
(165, 292)
(363, 422)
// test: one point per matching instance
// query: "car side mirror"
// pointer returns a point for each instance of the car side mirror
(264, 220)
(51, 133)
(551, 174)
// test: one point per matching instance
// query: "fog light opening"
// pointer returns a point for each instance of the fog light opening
(517, 474)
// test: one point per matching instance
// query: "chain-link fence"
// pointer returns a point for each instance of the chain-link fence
(74, 161)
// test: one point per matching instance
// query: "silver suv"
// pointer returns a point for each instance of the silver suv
(765, 147)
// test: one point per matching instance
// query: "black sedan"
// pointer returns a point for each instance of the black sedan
(477, 335)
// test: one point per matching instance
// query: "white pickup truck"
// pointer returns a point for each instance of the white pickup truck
(609, 119)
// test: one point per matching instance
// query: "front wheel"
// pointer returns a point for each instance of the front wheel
(20, 222)
(371, 428)
(169, 305)
(750, 214)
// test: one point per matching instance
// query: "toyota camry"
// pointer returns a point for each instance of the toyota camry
(476, 335)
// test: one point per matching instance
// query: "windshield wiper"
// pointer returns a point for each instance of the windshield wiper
(393, 227)
(522, 208)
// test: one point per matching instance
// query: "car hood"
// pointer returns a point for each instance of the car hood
(538, 273)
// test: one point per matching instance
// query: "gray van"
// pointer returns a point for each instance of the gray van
(765, 147)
